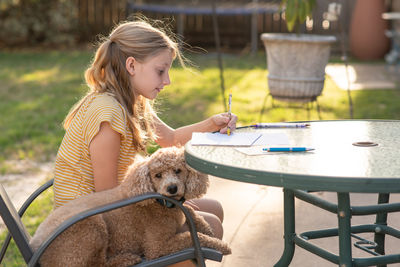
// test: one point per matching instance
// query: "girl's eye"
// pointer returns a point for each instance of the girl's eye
(158, 175)
(161, 72)
(178, 171)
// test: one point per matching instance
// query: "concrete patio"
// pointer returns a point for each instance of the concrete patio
(253, 224)
(364, 76)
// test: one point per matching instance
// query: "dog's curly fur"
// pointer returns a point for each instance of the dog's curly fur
(120, 237)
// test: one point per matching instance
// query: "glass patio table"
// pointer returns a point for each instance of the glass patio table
(361, 156)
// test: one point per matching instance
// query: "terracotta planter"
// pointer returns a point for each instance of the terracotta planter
(367, 30)
(296, 65)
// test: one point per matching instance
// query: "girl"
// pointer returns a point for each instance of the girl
(115, 120)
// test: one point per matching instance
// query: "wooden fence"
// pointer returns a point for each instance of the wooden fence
(99, 16)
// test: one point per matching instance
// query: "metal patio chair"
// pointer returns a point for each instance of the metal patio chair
(18, 232)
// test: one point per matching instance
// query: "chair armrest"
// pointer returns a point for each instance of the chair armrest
(21, 212)
(119, 204)
(33, 196)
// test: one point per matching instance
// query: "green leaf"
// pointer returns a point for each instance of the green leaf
(308, 9)
(291, 14)
(302, 12)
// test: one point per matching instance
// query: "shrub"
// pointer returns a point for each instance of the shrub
(33, 22)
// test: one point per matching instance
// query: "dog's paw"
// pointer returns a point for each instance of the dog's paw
(224, 248)
(214, 243)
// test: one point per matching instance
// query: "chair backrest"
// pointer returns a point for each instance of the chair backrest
(14, 225)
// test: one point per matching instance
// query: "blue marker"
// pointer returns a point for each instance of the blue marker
(287, 149)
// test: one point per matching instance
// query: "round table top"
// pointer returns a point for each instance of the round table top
(336, 164)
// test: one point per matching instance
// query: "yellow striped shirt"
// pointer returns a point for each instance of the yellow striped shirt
(73, 174)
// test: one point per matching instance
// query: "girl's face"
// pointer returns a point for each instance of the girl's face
(149, 77)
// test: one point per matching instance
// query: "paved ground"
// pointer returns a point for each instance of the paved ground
(364, 76)
(253, 224)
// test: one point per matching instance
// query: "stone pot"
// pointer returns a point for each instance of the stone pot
(296, 65)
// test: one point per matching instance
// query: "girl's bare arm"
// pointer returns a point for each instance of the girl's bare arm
(168, 136)
(104, 153)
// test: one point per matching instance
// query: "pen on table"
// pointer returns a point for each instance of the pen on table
(229, 111)
(280, 125)
(287, 149)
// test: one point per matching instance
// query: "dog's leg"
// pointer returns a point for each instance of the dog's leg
(156, 246)
(215, 243)
(83, 244)
(202, 225)
(123, 259)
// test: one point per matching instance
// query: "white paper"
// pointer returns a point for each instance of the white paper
(266, 140)
(252, 151)
(218, 139)
(272, 139)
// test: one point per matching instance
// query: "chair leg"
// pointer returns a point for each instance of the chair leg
(263, 107)
(318, 109)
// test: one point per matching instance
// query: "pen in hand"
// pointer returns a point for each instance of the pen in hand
(229, 111)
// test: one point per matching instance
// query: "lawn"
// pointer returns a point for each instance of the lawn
(38, 88)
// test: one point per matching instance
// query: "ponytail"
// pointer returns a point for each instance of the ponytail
(107, 74)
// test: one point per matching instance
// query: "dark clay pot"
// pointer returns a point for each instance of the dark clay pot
(367, 30)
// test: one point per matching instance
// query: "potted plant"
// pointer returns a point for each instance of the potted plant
(296, 62)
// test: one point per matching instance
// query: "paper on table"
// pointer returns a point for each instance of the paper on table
(272, 139)
(266, 140)
(253, 150)
(217, 139)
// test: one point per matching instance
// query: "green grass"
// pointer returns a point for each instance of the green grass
(36, 92)
(38, 88)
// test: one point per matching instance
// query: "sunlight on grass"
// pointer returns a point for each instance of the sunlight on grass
(41, 76)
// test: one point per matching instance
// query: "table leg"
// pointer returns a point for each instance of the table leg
(344, 217)
(381, 219)
(289, 228)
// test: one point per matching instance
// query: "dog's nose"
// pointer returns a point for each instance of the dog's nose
(172, 189)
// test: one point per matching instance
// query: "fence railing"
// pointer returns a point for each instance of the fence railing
(238, 23)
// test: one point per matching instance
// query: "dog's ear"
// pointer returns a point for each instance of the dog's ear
(196, 183)
(137, 180)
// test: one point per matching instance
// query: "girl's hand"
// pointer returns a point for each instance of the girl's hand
(223, 121)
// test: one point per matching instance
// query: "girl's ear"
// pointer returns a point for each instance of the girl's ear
(130, 65)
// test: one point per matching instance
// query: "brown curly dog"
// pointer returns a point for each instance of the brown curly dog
(120, 237)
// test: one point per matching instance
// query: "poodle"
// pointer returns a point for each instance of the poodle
(121, 237)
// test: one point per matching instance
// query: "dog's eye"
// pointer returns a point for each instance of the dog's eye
(158, 175)
(178, 171)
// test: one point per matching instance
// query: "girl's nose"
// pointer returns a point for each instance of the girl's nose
(167, 81)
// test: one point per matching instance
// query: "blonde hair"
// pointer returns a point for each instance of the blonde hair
(108, 74)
